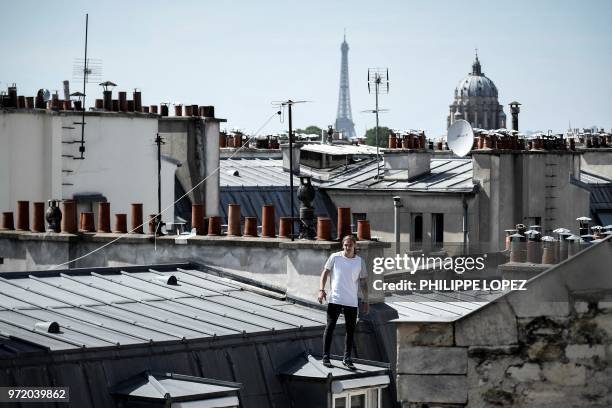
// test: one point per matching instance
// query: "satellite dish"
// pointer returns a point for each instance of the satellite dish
(460, 137)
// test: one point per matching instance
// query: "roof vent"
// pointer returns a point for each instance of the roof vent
(167, 280)
(233, 173)
(48, 327)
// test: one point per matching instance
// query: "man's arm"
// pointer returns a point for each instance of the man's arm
(322, 281)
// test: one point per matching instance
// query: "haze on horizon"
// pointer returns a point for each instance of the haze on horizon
(555, 57)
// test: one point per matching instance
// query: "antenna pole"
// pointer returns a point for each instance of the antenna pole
(82, 147)
(159, 142)
(377, 146)
(290, 102)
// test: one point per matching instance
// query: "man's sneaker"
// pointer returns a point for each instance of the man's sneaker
(348, 363)
(326, 362)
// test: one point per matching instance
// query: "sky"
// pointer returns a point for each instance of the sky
(554, 57)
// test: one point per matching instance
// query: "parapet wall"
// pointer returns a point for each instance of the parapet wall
(293, 267)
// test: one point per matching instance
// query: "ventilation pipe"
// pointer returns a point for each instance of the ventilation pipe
(397, 204)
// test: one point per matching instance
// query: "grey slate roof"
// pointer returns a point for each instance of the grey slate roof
(447, 175)
(135, 306)
(438, 306)
(253, 183)
(256, 172)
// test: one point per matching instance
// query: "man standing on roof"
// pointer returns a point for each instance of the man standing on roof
(348, 273)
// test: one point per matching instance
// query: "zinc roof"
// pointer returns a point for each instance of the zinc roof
(119, 306)
(446, 175)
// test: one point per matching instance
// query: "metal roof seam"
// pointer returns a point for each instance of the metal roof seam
(41, 333)
(105, 339)
(186, 304)
(248, 301)
(147, 303)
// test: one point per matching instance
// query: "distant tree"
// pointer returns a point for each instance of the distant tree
(310, 130)
(383, 136)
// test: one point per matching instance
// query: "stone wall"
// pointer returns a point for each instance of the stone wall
(550, 346)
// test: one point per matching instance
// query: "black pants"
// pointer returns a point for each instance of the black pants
(350, 319)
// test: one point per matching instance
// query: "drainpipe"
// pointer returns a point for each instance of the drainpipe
(397, 204)
(465, 225)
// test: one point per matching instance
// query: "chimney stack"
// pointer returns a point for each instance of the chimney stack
(515, 109)
(137, 101)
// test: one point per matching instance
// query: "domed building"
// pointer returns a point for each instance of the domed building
(476, 101)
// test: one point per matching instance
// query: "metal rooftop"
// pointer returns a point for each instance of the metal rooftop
(258, 172)
(438, 306)
(120, 306)
(340, 149)
(173, 388)
(446, 175)
(309, 367)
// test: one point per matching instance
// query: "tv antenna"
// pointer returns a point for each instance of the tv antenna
(378, 81)
(281, 104)
(87, 70)
(460, 137)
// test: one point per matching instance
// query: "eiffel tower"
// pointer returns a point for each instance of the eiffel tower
(344, 118)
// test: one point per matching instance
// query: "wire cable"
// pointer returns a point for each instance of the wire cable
(171, 205)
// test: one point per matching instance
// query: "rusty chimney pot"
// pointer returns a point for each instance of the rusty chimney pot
(137, 101)
(285, 227)
(153, 109)
(178, 110)
(29, 102)
(517, 248)
(233, 220)
(137, 219)
(12, 97)
(207, 111)
(130, 104)
(214, 225)
(392, 140)
(21, 102)
(197, 218)
(120, 223)
(250, 226)
(164, 109)
(69, 224)
(115, 105)
(268, 222)
(104, 217)
(194, 110)
(38, 217)
(548, 250)
(188, 110)
(23, 216)
(87, 222)
(7, 222)
(363, 230)
(344, 222)
(123, 101)
(323, 229)
(40, 100)
(145, 109)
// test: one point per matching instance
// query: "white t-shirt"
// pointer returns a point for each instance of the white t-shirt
(344, 279)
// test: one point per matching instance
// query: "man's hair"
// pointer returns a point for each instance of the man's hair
(350, 237)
